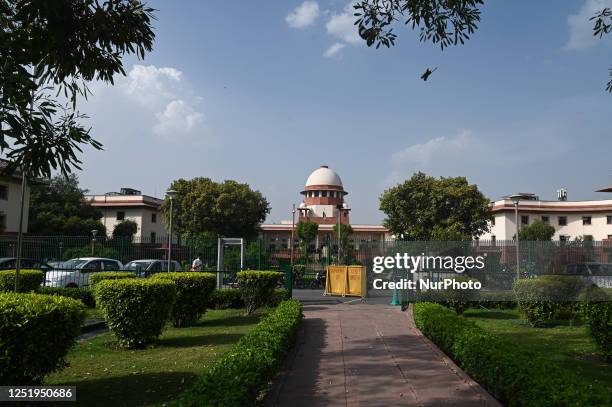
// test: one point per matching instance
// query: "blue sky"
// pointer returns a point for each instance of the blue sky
(265, 92)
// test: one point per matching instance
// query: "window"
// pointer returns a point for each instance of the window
(525, 220)
(562, 220)
(4, 192)
(493, 239)
(587, 238)
(316, 194)
(493, 221)
(120, 215)
(563, 238)
(2, 222)
(609, 220)
(153, 218)
(93, 265)
(153, 237)
(586, 220)
(545, 219)
(609, 236)
(324, 194)
(111, 265)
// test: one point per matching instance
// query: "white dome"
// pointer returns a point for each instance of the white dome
(324, 176)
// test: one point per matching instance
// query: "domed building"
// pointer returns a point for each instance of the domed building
(323, 202)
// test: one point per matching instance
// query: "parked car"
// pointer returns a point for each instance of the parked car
(146, 267)
(591, 273)
(9, 263)
(76, 272)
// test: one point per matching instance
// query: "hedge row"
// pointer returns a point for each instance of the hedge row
(29, 280)
(596, 309)
(257, 287)
(84, 294)
(238, 377)
(512, 374)
(110, 275)
(232, 298)
(36, 332)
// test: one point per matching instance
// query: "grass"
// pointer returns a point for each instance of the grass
(569, 347)
(93, 313)
(105, 375)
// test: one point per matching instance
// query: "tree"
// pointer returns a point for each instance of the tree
(307, 231)
(345, 233)
(49, 48)
(428, 208)
(537, 231)
(126, 228)
(206, 208)
(59, 208)
(442, 22)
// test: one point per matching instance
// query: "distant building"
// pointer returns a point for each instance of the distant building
(571, 219)
(10, 202)
(131, 204)
(323, 203)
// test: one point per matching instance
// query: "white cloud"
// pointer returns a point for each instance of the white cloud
(303, 15)
(438, 148)
(160, 100)
(581, 27)
(334, 49)
(176, 119)
(342, 26)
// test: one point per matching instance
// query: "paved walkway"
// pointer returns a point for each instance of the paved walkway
(357, 354)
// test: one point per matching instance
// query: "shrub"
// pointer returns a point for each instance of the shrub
(547, 297)
(596, 309)
(256, 287)
(459, 299)
(83, 294)
(29, 280)
(248, 367)
(501, 299)
(193, 292)
(36, 332)
(512, 374)
(279, 295)
(226, 298)
(110, 275)
(135, 310)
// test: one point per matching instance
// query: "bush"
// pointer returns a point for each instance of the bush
(226, 298)
(546, 298)
(596, 310)
(238, 377)
(29, 280)
(36, 332)
(500, 299)
(135, 310)
(513, 375)
(83, 294)
(193, 293)
(110, 275)
(279, 295)
(256, 287)
(459, 299)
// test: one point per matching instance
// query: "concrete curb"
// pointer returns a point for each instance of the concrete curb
(486, 398)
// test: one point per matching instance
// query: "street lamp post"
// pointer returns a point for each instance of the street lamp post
(292, 235)
(24, 183)
(518, 229)
(171, 194)
(94, 233)
(341, 209)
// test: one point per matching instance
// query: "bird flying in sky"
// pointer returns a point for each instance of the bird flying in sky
(428, 72)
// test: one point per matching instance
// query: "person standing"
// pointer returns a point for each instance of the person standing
(196, 265)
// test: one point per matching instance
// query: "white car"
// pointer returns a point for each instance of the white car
(146, 267)
(599, 274)
(76, 272)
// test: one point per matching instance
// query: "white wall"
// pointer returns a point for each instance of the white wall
(10, 207)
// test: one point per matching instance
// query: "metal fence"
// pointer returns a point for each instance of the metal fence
(587, 258)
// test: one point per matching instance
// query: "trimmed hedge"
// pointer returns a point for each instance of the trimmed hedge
(596, 309)
(238, 377)
(193, 292)
(110, 275)
(547, 297)
(29, 280)
(83, 294)
(232, 298)
(512, 374)
(135, 310)
(36, 332)
(257, 287)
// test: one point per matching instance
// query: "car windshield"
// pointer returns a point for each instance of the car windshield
(601, 269)
(73, 264)
(137, 265)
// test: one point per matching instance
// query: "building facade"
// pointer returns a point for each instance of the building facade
(323, 203)
(10, 203)
(571, 219)
(131, 204)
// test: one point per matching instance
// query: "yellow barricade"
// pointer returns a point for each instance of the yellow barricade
(346, 280)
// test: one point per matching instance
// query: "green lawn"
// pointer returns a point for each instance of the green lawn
(569, 347)
(105, 375)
